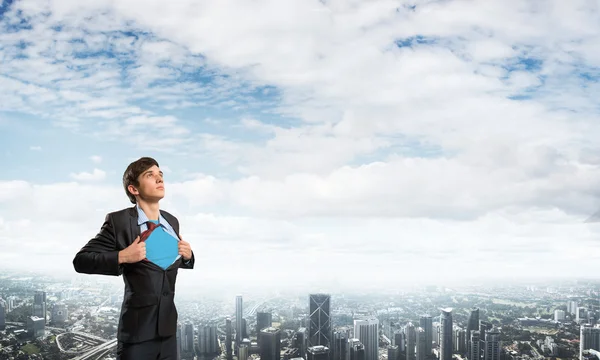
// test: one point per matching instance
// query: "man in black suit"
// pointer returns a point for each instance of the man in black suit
(148, 321)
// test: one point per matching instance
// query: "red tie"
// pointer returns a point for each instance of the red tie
(145, 234)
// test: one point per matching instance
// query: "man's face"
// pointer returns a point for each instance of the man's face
(151, 183)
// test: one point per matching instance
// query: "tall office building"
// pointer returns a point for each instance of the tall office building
(580, 315)
(460, 337)
(228, 339)
(239, 335)
(400, 341)
(178, 338)
(411, 341)
(318, 352)
(319, 329)
(207, 340)
(270, 344)
(421, 351)
(39, 305)
(589, 339)
(446, 348)
(356, 350)
(426, 323)
(263, 321)
(492, 345)
(367, 331)
(36, 326)
(188, 338)
(60, 314)
(243, 352)
(472, 324)
(339, 345)
(393, 353)
(559, 315)
(474, 346)
(300, 341)
(484, 326)
(2, 315)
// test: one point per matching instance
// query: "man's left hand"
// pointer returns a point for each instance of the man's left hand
(185, 250)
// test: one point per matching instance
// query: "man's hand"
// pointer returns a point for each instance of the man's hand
(185, 250)
(133, 253)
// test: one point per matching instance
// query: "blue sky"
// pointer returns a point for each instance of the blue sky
(400, 132)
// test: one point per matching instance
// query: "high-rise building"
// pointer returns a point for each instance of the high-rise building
(60, 314)
(263, 321)
(475, 348)
(393, 353)
(207, 340)
(339, 345)
(572, 307)
(492, 345)
(356, 350)
(411, 341)
(472, 324)
(319, 329)
(318, 352)
(460, 337)
(300, 341)
(367, 331)
(188, 338)
(228, 338)
(580, 315)
(245, 330)
(239, 335)
(426, 323)
(400, 341)
(421, 351)
(270, 344)
(36, 326)
(243, 352)
(484, 326)
(2, 315)
(559, 315)
(179, 345)
(39, 305)
(446, 348)
(589, 339)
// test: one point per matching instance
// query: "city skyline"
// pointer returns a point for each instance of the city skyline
(436, 136)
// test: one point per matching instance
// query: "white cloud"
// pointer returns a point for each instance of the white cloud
(35, 148)
(96, 159)
(95, 175)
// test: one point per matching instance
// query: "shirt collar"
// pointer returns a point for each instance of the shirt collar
(142, 218)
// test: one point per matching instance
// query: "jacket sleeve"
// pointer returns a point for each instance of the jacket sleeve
(189, 264)
(100, 255)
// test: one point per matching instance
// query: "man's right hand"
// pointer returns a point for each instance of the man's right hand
(133, 253)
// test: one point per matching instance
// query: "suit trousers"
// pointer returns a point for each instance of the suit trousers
(164, 348)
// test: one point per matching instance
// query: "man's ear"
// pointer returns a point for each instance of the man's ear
(132, 190)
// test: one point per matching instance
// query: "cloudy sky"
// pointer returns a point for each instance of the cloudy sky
(323, 143)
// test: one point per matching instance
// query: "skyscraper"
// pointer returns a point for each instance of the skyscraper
(238, 321)
(426, 323)
(2, 315)
(356, 350)
(484, 326)
(207, 340)
(243, 352)
(319, 329)
(228, 338)
(474, 346)
(339, 345)
(446, 348)
(318, 352)
(589, 339)
(393, 353)
(411, 341)
(263, 321)
(60, 314)
(421, 352)
(460, 336)
(472, 324)
(39, 305)
(188, 338)
(367, 331)
(300, 341)
(270, 348)
(492, 345)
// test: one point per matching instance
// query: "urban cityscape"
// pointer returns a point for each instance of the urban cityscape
(42, 318)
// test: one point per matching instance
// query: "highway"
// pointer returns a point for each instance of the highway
(97, 351)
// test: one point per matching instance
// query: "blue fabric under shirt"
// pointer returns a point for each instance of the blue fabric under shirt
(161, 247)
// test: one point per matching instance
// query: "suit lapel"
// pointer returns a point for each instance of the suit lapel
(134, 228)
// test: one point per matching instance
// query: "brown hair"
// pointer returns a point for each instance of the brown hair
(133, 172)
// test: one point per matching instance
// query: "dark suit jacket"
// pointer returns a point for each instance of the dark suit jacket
(148, 309)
